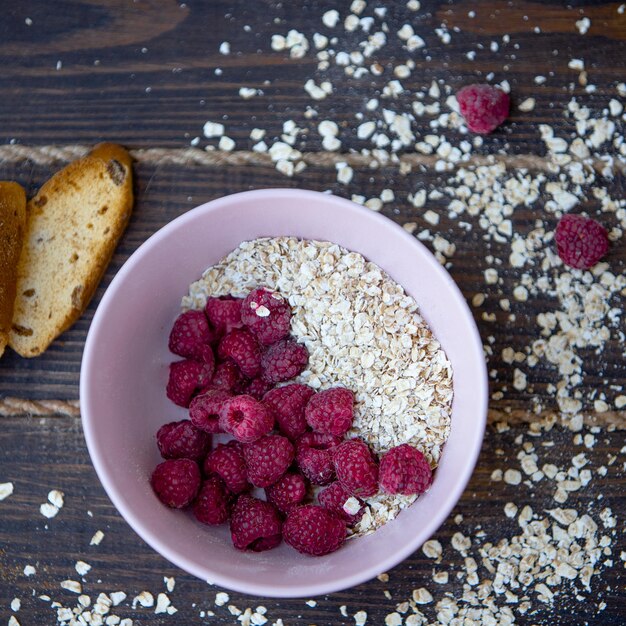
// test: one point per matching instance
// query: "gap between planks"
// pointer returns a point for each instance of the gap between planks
(21, 407)
(55, 154)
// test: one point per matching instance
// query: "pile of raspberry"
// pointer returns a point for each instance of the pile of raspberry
(285, 440)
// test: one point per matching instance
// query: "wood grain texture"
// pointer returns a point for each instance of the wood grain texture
(144, 74)
(164, 192)
(39, 455)
(99, 93)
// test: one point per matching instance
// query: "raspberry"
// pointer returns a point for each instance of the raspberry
(284, 360)
(484, 107)
(190, 334)
(287, 403)
(185, 378)
(356, 468)
(176, 482)
(241, 347)
(226, 377)
(267, 459)
(245, 418)
(204, 410)
(255, 525)
(287, 492)
(314, 457)
(267, 314)
(224, 313)
(404, 470)
(228, 463)
(211, 505)
(257, 388)
(182, 440)
(331, 411)
(334, 498)
(581, 241)
(313, 530)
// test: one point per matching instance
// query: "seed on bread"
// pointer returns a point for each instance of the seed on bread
(12, 225)
(73, 226)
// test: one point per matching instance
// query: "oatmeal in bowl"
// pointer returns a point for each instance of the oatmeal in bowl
(362, 332)
(379, 351)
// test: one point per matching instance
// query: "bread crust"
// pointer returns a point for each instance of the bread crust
(12, 225)
(74, 224)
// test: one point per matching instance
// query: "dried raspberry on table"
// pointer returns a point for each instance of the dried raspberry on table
(182, 440)
(212, 504)
(228, 463)
(288, 404)
(242, 348)
(484, 107)
(267, 314)
(314, 455)
(284, 360)
(190, 334)
(245, 418)
(185, 379)
(267, 459)
(356, 468)
(581, 241)
(404, 470)
(331, 411)
(287, 492)
(204, 410)
(176, 482)
(255, 525)
(313, 530)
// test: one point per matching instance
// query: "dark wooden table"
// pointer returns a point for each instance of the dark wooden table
(144, 74)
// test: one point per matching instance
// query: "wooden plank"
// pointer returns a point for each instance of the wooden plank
(38, 455)
(109, 99)
(166, 191)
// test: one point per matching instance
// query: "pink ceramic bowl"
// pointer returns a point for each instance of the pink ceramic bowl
(125, 364)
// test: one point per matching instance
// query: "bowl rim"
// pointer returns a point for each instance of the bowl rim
(260, 588)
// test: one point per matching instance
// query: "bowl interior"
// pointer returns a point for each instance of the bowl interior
(125, 367)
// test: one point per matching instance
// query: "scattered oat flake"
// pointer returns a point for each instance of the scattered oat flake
(512, 477)
(29, 570)
(6, 489)
(360, 618)
(56, 498)
(311, 603)
(13, 621)
(145, 599)
(98, 536)
(393, 619)
(72, 585)
(48, 510)
(422, 596)
(16, 604)
(117, 597)
(162, 604)
(213, 129)
(82, 568)
(527, 105)
(221, 598)
(432, 549)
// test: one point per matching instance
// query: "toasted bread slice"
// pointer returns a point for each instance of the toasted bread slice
(73, 225)
(12, 225)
